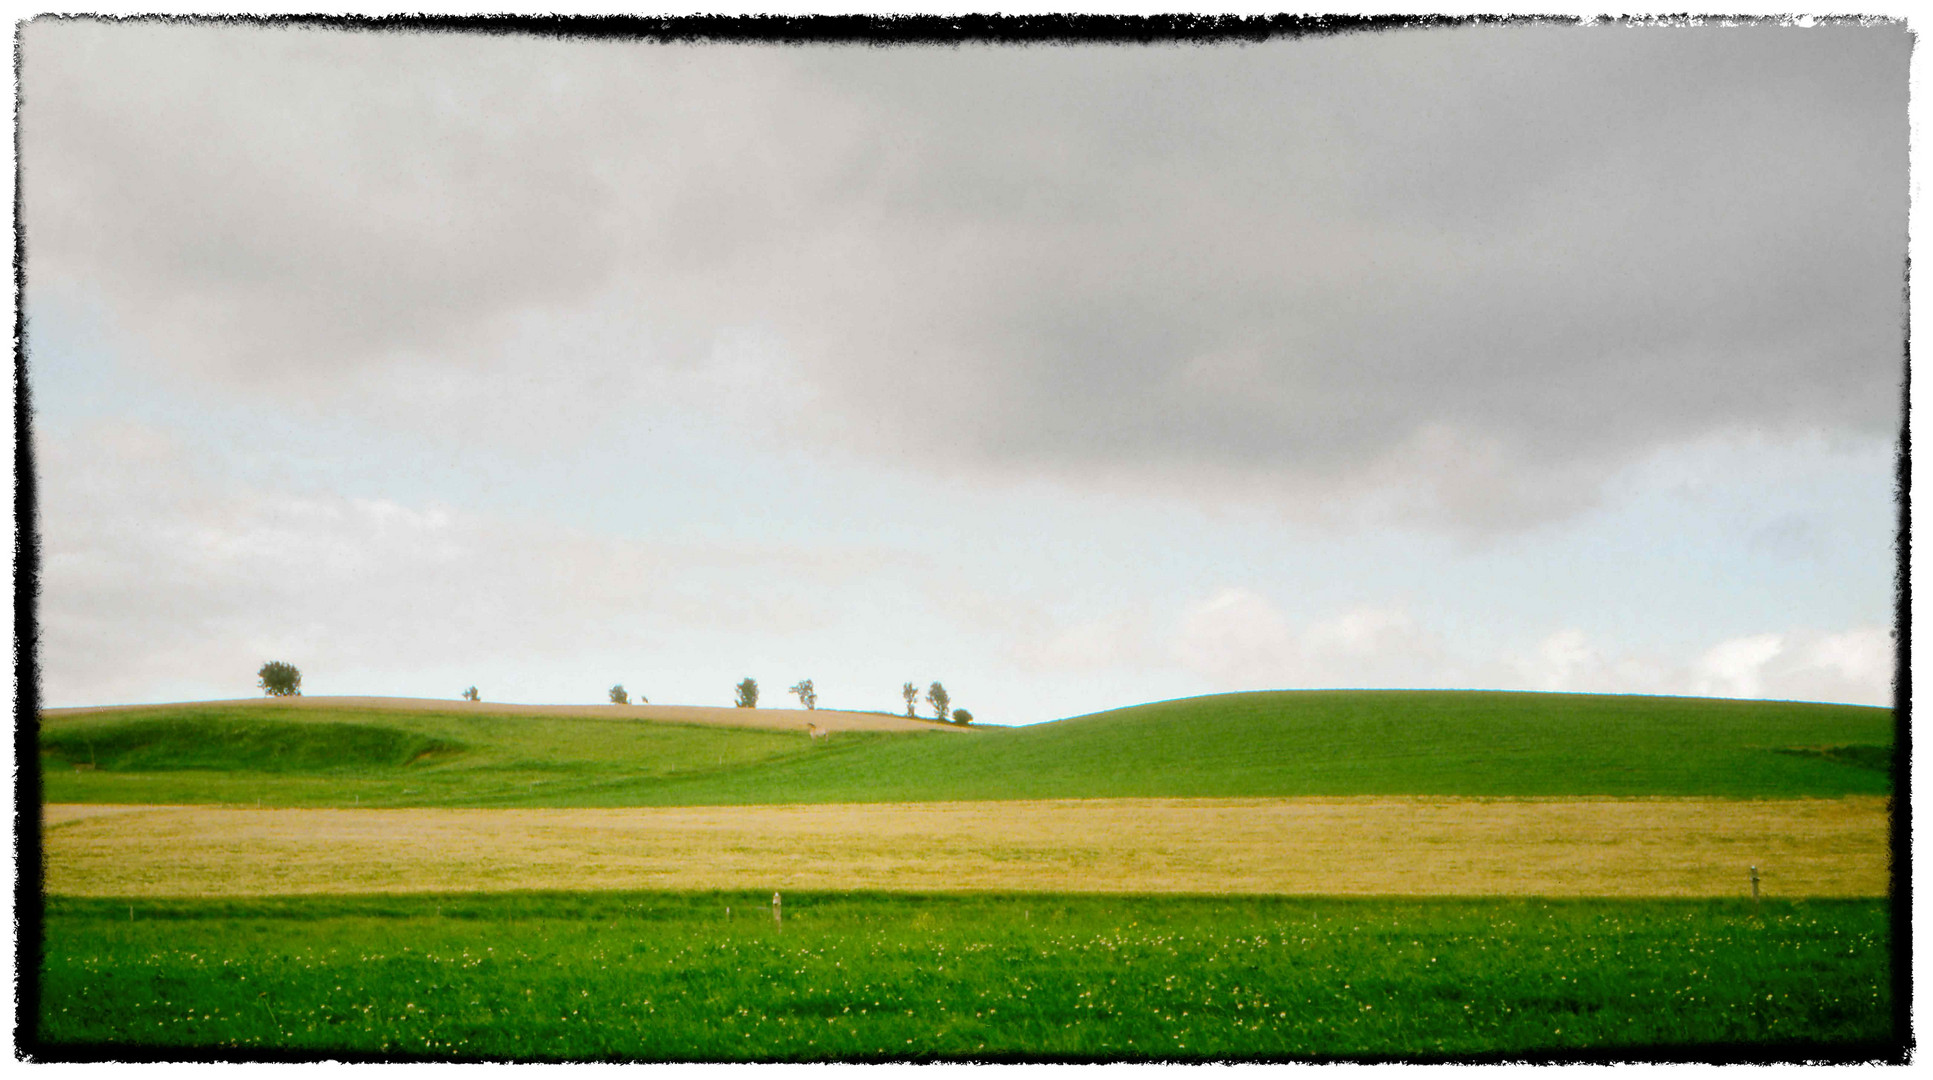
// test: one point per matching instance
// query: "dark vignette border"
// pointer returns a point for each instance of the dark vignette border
(27, 899)
(877, 31)
(1901, 936)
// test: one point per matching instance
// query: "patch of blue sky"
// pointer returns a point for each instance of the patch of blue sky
(1725, 538)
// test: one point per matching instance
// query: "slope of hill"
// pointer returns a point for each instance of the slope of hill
(768, 719)
(1237, 745)
(1396, 743)
(322, 753)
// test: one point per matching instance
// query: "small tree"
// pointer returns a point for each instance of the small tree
(937, 697)
(961, 716)
(808, 697)
(912, 695)
(748, 694)
(618, 696)
(471, 694)
(280, 680)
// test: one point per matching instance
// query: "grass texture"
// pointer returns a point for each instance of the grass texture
(1284, 743)
(857, 977)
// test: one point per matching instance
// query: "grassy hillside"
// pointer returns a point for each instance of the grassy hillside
(291, 756)
(1261, 744)
(177, 742)
(1350, 742)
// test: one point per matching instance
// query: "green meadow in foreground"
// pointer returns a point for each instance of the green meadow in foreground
(664, 976)
(1237, 745)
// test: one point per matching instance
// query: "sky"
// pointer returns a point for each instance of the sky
(1526, 357)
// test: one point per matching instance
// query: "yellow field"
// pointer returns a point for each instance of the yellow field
(1330, 846)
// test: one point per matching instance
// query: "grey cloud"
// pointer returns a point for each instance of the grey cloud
(1571, 241)
(1298, 265)
(260, 200)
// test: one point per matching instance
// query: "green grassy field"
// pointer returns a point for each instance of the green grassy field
(662, 976)
(1237, 745)
(290, 757)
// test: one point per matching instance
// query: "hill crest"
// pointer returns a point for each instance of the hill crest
(763, 719)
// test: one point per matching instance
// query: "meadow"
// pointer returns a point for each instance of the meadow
(1380, 874)
(856, 977)
(1278, 744)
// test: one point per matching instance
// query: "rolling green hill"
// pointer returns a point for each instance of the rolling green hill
(176, 743)
(290, 756)
(1399, 743)
(1236, 745)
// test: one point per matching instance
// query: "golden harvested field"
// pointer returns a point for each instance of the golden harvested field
(1311, 846)
(770, 719)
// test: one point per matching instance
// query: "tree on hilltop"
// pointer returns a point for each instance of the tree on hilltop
(748, 694)
(937, 697)
(279, 679)
(471, 694)
(912, 695)
(962, 717)
(618, 696)
(807, 696)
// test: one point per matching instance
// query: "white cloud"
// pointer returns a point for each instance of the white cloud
(1567, 660)
(158, 584)
(1558, 658)
(1116, 641)
(1239, 640)
(1735, 668)
(1854, 666)
(1865, 656)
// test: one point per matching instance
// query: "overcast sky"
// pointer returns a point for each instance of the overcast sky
(1075, 377)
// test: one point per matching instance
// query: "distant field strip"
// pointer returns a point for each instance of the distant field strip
(1662, 847)
(774, 719)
